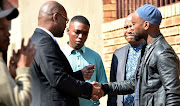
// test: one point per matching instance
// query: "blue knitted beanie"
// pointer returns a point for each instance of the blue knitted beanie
(150, 13)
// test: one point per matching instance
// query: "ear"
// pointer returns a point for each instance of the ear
(55, 17)
(68, 31)
(146, 25)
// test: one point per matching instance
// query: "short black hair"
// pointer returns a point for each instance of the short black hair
(80, 19)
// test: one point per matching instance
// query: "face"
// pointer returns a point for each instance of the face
(78, 33)
(61, 24)
(138, 25)
(4, 34)
(129, 30)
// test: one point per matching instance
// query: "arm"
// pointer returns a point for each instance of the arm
(168, 68)
(18, 91)
(119, 88)
(57, 71)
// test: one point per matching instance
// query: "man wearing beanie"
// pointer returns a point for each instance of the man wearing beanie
(14, 92)
(156, 80)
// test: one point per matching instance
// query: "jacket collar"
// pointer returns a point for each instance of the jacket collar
(154, 41)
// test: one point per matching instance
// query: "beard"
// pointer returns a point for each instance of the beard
(137, 38)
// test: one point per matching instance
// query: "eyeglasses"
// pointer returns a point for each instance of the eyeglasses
(66, 18)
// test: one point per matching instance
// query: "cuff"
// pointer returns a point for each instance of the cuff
(105, 88)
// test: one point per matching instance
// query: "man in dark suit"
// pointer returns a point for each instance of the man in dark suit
(53, 81)
(124, 62)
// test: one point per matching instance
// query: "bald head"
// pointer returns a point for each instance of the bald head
(51, 7)
(51, 17)
(48, 9)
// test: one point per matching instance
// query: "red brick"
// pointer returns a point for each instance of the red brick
(106, 57)
(105, 42)
(177, 39)
(106, 35)
(171, 31)
(168, 22)
(117, 41)
(162, 23)
(176, 20)
(106, 1)
(107, 14)
(113, 1)
(114, 14)
(109, 19)
(176, 48)
(109, 7)
(170, 40)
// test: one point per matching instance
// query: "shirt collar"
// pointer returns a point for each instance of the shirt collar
(138, 47)
(70, 49)
(47, 32)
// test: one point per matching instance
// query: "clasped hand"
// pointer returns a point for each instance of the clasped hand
(97, 92)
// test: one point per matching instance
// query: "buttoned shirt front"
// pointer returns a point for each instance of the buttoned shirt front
(78, 59)
(132, 61)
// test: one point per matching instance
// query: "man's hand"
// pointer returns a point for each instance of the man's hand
(13, 63)
(88, 71)
(23, 58)
(27, 54)
(97, 91)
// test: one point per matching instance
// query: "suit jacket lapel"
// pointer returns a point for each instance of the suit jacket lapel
(122, 63)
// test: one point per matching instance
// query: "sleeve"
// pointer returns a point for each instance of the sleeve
(22, 90)
(168, 68)
(112, 99)
(15, 92)
(54, 66)
(78, 75)
(120, 88)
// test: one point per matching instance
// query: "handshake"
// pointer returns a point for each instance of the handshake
(97, 92)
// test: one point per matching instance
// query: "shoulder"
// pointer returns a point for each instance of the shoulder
(122, 49)
(90, 51)
(162, 47)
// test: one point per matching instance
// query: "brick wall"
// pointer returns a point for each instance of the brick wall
(113, 33)
(109, 9)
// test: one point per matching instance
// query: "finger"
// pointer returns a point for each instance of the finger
(94, 97)
(14, 52)
(90, 71)
(29, 42)
(22, 43)
(92, 66)
(93, 82)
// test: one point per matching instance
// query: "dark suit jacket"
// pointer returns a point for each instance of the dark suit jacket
(117, 72)
(53, 81)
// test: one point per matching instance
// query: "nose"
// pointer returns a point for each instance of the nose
(80, 35)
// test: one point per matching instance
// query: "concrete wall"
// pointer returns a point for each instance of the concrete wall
(114, 39)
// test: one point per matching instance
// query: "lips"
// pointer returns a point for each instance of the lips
(78, 42)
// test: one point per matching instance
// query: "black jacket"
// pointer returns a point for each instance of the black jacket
(159, 78)
(53, 81)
